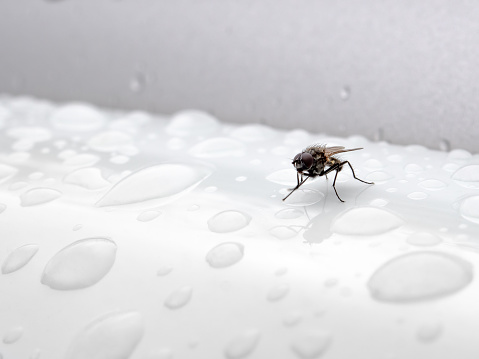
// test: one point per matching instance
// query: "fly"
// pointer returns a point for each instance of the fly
(319, 160)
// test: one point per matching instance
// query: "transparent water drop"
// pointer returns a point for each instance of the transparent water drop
(228, 221)
(424, 239)
(164, 270)
(109, 141)
(225, 254)
(378, 202)
(80, 265)
(119, 160)
(19, 257)
(7, 172)
(469, 209)
(138, 82)
(283, 232)
(432, 184)
(30, 134)
(147, 216)
(311, 345)
(429, 332)
(395, 158)
(467, 176)
(218, 147)
(37, 196)
(277, 293)
(417, 195)
(373, 164)
(12, 335)
(450, 167)
(364, 221)
(179, 297)
(289, 213)
(163, 181)
(253, 133)
(81, 160)
(241, 178)
(331, 282)
(163, 353)
(292, 318)
(286, 177)
(3, 207)
(243, 344)
(211, 189)
(304, 197)
(36, 354)
(281, 271)
(17, 186)
(114, 335)
(345, 93)
(176, 143)
(89, 178)
(413, 168)
(77, 227)
(192, 123)
(419, 276)
(459, 155)
(77, 117)
(379, 177)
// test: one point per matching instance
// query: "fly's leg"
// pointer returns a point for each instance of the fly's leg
(295, 188)
(354, 175)
(334, 183)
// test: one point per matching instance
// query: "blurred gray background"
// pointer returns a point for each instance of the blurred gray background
(401, 71)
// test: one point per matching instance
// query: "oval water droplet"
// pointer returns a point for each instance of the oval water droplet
(148, 216)
(365, 221)
(395, 158)
(286, 177)
(253, 133)
(379, 177)
(444, 145)
(417, 196)
(30, 134)
(156, 182)
(459, 155)
(109, 141)
(345, 93)
(225, 254)
(218, 147)
(80, 265)
(419, 276)
(467, 176)
(89, 178)
(3, 207)
(164, 270)
(304, 197)
(292, 318)
(36, 196)
(311, 345)
(192, 123)
(179, 297)
(378, 202)
(228, 221)
(289, 213)
(469, 209)
(429, 332)
(77, 117)
(242, 345)
(432, 184)
(7, 172)
(277, 293)
(19, 257)
(12, 335)
(373, 164)
(283, 232)
(413, 168)
(114, 335)
(424, 239)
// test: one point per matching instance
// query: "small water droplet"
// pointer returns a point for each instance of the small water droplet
(19, 257)
(164, 270)
(429, 332)
(7, 172)
(419, 276)
(277, 293)
(469, 209)
(304, 197)
(225, 254)
(379, 177)
(119, 159)
(3, 207)
(109, 141)
(242, 344)
(286, 177)
(228, 221)
(81, 160)
(80, 265)
(36, 354)
(218, 147)
(459, 155)
(467, 176)
(289, 213)
(114, 335)
(331, 282)
(292, 318)
(211, 189)
(193, 207)
(450, 167)
(413, 168)
(417, 196)
(179, 297)
(148, 216)
(432, 184)
(77, 117)
(365, 221)
(253, 133)
(283, 232)
(281, 271)
(138, 82)
(37, 196)
(373, 164)
(192, 123)
(311, 345)
(395, 158)
(241, 178)
(89, 178)
(423, 239)
(77, 227)
(12, 335)
(378, 202)
(345, 93)
(30, 134)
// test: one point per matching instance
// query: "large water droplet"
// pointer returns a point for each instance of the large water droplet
(80, 265)
(19, 257)
(423, 239)
(228, 221)
(77, 117)
(37, 196)
(467, 176)
(365, 221)
(7, 172)
(469, 209)
(413, 168)
(242, 345)
(3, 207)
(225, 254)
(218, 147)
(113, 336)
(278, 292)
(253, 133)
(12, 335)
(109, 141)
(311, 345)
(192, 123)
(156, 182)
(432, 184)
(429, 332)
(179, 297)
(89, 178)
(420, 276)
(289, 213)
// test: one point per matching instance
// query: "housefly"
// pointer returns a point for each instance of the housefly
(319, 160)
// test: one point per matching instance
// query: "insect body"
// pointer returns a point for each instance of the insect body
(319, 161)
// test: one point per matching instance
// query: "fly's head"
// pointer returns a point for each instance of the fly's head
(303, 162)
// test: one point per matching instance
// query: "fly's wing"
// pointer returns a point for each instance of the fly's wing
(330, 151)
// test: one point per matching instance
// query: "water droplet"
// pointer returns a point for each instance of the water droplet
(467, 176)
(3, 207)
(419, 276)
(253, 133)
(36, 354)
(218, 147)
(192, 123)
(395, 158)
(311, 345)
(331, 282)
(423, 239)
(138, 82)
(12, 335)
(163, 353)
(80, 265)
(241, 178)
(365, 221)
(179, 297)
(304, 197)
(228, 221)
(30, 134)
(280, 151)
(176, 143)
(429, 332)
(119, 160)
(148, 216)
(36, 196)
(379, 177)
(417, 195)
(225, 254)
(81, 160)
(19, 257)
(7, 172)
(77, 227)
(242, 344)
(289, 213)
(432, 184)
(413, 168)
(373, 164)
(114, 335)
(469, 209)
(89, 178)
(156, 182)
(285, 177)
(444, 145)
(450, 167)
(77, 117)
(460, 155)
(292, 318)
(281, 271)
(278, 292)
(164, 270)
(283, 232)
(211, 189)
(378, 135)
(378, 202)
(109, 141)
(345, 93)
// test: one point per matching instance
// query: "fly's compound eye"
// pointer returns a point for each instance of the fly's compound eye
(303, 161)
